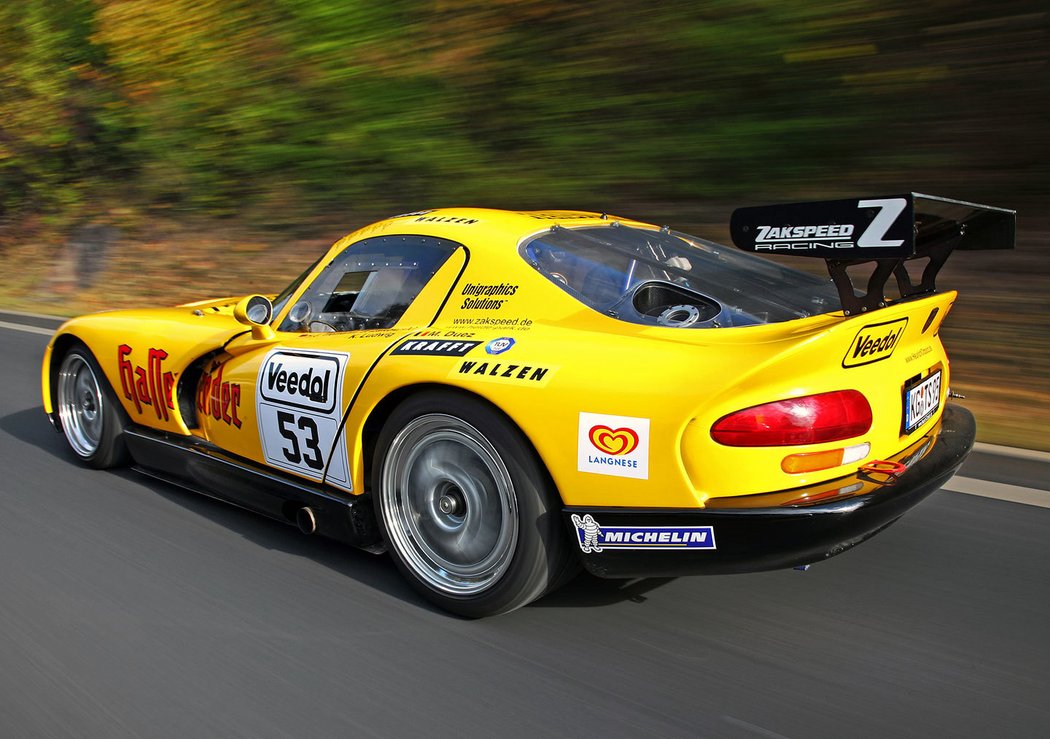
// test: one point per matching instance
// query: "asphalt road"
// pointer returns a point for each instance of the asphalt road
(129, 608)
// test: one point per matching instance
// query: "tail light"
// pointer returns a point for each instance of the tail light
(812, 419)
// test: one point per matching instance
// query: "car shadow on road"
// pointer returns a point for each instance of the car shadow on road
(378, 572)
(31, 427)
(588, 591)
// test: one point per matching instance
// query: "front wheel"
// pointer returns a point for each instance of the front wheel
(466, 507)
(91, 419)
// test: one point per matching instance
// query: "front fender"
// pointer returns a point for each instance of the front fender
(142, 353)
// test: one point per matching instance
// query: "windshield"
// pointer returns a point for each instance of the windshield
(369, 285)
(286, 294)
(673, 279)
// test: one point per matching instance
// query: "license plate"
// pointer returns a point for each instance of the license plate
(921, 401)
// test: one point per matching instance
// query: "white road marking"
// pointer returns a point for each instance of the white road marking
(33, 315)
(1009, 451)
(28, 329)
(999, 491)
(760, 730)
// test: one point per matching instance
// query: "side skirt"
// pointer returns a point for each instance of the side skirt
(201, 467)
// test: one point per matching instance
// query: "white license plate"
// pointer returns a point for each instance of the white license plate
(921, 402)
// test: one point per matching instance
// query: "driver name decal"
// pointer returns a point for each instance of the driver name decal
(298, 409)
(613, 445)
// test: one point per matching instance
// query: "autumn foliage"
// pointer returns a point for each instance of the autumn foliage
(280, 110)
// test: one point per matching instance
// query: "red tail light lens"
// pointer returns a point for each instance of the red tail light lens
(812, 419)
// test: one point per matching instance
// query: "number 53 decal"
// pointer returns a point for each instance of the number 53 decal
(299, 407)
(287, 425)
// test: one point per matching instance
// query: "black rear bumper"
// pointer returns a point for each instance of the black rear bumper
(647, 542)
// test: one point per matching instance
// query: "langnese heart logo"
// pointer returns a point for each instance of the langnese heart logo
(616, 442)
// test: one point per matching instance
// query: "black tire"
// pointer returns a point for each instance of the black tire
(466, 508)
(91, 418)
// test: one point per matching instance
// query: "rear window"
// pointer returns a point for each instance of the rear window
(662, 277)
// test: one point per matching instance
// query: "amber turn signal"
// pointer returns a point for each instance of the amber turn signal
(812, 461)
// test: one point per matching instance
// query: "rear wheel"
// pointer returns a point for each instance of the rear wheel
(91, 419)
(466, 508)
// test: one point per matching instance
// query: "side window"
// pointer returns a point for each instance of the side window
(368, 285)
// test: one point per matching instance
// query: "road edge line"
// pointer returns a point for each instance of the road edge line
(28, 329)
(1012, 451)
(998, 491)
(27, 314)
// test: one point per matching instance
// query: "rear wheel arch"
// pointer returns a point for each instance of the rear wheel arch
(377, 418)
(538, 556)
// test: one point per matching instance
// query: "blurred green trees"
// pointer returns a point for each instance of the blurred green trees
(282, 109)
(63, 118)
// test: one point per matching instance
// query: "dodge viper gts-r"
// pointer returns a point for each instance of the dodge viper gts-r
(498, 397)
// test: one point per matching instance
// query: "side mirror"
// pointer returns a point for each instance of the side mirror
(256, 311)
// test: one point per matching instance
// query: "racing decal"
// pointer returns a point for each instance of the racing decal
(871, 228)
(298, 407)
(301, 380)
(888, 210)
(559, 215)
(147, 385)
(523, 324)
(918, 353)
(614, 445)
(446, 219)
(772, 238)
(595, 538)
(498, 346)
(770, 234)
(874, 342)
(486, 297)
(517, 374)
(219, 398)
(435, 348)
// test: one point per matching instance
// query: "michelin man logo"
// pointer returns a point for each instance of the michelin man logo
(588, 531)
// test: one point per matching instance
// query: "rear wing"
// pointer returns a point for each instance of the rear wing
(886, 230)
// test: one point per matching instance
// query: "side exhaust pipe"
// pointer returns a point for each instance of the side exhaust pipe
(306, 520)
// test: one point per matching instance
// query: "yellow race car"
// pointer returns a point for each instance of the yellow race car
(496, 397)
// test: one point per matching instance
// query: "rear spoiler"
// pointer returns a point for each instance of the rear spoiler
(886, 230)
